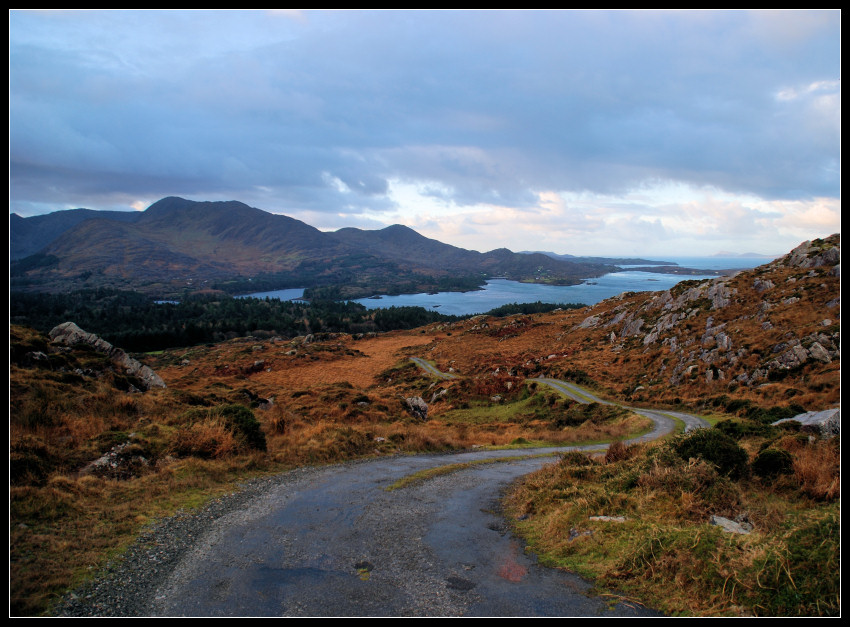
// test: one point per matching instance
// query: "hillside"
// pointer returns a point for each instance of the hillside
(771, 333)
(177, 245)
(743, 351)
(27, 236)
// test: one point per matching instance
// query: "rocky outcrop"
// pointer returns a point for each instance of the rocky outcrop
(69, 334)
(828, 420)
(813, 254)
(121, 462)
(417, 407)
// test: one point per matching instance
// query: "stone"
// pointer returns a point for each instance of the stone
(729, 526)
(828, 420)
(817, 351)
(417, 407)
(70, 334)
(618, 519)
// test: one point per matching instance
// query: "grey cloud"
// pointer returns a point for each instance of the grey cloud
(489, 106)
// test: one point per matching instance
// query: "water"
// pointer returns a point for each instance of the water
(498, 292)
(288, 294)
(715, 263)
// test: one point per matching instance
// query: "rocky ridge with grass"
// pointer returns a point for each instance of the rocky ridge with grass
(69, 334)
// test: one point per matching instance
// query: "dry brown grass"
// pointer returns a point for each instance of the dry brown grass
(666, 554)
(619, 451)
(340, 398)
(817, 468)
(208, 439)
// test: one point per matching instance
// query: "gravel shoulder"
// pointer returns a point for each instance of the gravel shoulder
(333, 542)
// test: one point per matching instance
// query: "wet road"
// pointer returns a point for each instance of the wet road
(336, 543)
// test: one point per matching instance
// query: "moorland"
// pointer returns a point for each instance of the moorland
(326, 383)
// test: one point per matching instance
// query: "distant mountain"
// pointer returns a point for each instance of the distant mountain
(28, 236)
(616, 261)
(178, 244)
(724, 253)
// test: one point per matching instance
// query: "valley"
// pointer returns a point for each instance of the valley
(741, 352)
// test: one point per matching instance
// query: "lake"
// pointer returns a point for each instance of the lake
(498, 292)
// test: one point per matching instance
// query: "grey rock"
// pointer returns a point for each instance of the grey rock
(70, 334)
(829, 420)
(417, 407)
(762, 285)
(820, 353)
(729, 526)
(608, 518)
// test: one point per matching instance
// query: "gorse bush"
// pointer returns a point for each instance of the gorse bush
(772, 462)
(738, 429)
(712, 445)
(218, 432)
(245, 426)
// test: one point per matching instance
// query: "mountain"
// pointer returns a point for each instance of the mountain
(27, 236)
(626, 261)
(178, 244)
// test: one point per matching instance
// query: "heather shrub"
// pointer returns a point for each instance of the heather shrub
(618, 451)
(208, 439)
(712, 445)
(574, 458)
(218, 431)
(817, 468)
(772, 462)
(738, 429)
(244, 425)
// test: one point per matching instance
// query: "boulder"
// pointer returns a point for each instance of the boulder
(731, 526)
(70, 334)
(417, 407)
(828, 420)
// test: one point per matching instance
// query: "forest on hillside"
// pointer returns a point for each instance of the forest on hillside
(137, 323)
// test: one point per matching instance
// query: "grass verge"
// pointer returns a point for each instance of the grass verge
(438, 471)
(639, 523)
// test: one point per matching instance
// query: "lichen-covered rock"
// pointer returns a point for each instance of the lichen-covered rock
(70, 334)
(828, 420)
(417, 407)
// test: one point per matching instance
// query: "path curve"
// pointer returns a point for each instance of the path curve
(333, 541)
(431, 369)
(336, 543)
(664, 419)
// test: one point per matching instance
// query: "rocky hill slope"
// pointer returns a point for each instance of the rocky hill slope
(771, 335)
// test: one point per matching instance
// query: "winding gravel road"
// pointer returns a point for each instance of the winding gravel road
(333, 541)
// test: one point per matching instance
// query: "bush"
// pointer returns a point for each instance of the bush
(772, 462)
(618, 451)
(207, 439)
(575, 458)
(737, 429)
(244, 425)
(712, 445)
(218, 431)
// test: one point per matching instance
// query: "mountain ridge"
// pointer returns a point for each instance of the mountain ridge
(178, 244)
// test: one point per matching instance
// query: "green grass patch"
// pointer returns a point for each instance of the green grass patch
(430, 473)
(478, 412)
(665, 552)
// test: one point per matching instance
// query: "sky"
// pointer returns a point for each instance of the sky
(582, 132)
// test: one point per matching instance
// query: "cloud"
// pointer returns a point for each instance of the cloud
(332, 112)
